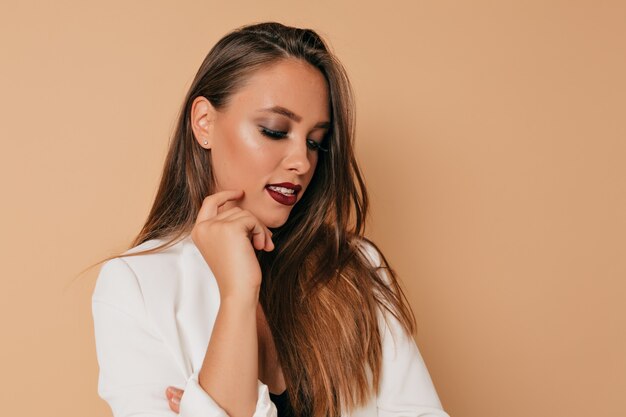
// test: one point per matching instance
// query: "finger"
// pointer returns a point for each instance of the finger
(212, 203)
(258, 237)
(256, 230)
(269, 243)
(223, 215)
(174, 404)
(173, 390)
(261, 238)
(174, 396)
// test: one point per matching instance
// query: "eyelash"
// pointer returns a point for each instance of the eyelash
(279, 135)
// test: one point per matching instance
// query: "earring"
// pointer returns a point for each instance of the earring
(206, 143)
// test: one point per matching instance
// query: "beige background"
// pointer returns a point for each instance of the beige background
(492, 138)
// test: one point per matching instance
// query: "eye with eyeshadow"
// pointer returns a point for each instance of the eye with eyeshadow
(274, 134)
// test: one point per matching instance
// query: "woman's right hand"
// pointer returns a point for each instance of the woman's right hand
(227, 239)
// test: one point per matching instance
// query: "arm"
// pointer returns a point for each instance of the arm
(135, 364)
(406, 388)
(230, 367)
(227, 238)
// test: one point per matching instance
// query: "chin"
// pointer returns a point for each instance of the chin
(275, 222)
(273, 218)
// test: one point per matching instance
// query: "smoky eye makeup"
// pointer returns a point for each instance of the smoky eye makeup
(273, 133)
(316, 146)
(279, 134)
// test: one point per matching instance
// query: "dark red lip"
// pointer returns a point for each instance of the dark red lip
(288, 200)
(294, 187)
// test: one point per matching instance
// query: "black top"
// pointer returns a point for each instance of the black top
(283, 406)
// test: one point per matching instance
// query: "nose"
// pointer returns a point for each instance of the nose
(297, 157)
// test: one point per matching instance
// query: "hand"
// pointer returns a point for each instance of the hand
(174, 395)
(227, 239)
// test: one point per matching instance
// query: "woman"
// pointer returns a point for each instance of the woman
(251, 290)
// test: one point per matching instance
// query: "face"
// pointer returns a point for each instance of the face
(268, 134)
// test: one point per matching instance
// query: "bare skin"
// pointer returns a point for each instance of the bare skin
(236, 219)
(270, 372)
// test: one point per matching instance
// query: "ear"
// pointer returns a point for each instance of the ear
(202, 121)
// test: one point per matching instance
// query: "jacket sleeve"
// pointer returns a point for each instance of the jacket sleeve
(135, 364)
(406, 389)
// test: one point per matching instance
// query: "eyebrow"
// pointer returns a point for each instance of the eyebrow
(286, 112)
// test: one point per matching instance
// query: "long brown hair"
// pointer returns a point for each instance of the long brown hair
(319, 292)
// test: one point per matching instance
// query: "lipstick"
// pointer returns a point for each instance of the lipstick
(285, 192)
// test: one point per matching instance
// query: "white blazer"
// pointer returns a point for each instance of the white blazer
(153, 316)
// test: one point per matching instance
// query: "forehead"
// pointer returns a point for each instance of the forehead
(290, 83)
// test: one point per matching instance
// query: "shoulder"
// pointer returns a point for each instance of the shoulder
(370, 250)
(377, 260)
(122, 280)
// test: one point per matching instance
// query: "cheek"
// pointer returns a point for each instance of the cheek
(314, 163)
(307, 180)
(241, 159)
